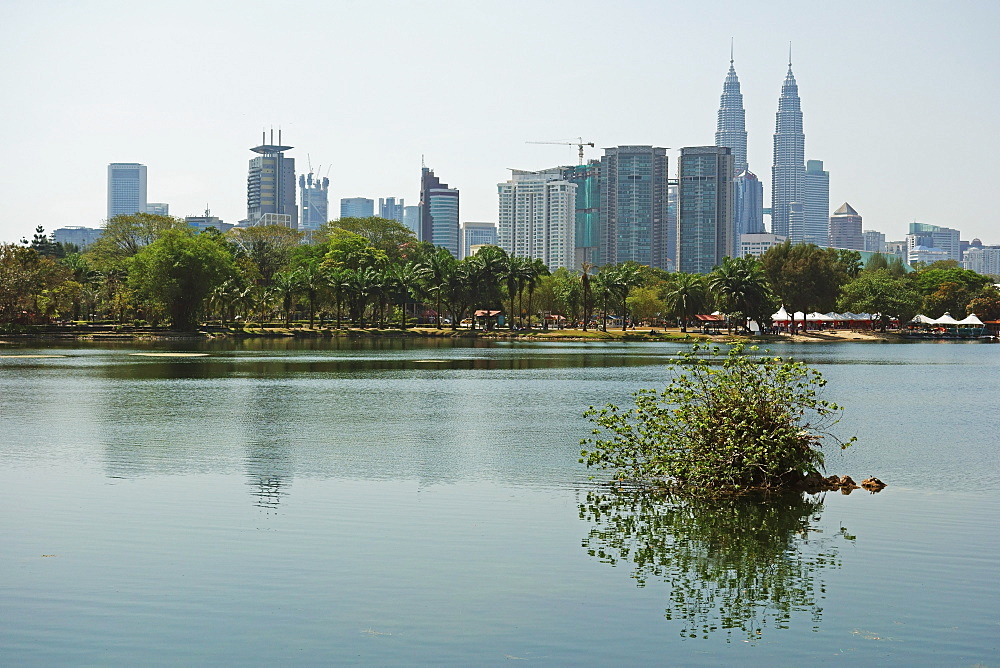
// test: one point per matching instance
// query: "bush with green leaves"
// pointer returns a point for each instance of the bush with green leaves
(727, 421)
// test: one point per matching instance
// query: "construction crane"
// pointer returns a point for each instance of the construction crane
(579, 143)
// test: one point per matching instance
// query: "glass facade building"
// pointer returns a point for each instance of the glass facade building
(634, 207)
(438, 212)
(126, 188)
(748, 208)
(314, 200)
(845, 229)
(271, 186)
(788, 170)
(390, 209)
(477, 234)
(587, 179)
(705, 202)
(357, 207)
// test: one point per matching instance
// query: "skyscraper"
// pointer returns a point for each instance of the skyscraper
(126, 188)
(271, 186)
(731, 128)
(705, 197)
(816, 207)
(158, 208)
(587, 179)
(438, 212)
(788, 170)
(634, 207)
(390, 209)
(748, 208)
(314, 200)
(357, 207)
(538, 217)
(411, 218)
(477, 234)
(845, 230)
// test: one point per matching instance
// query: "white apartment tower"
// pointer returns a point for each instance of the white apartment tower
(538, 217)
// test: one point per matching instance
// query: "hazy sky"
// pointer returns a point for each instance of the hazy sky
(900, 99)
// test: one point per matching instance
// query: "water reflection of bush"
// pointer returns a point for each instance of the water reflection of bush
(733, 564)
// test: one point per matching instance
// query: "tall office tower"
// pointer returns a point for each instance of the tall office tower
(390, 209)
(816, 207)
(587, 179)
(672, 222)
(78, 236)
(788, 171)
(634, 207)
(438, 212)
(748, 208)
(126, 188)
(731, 129)
(357, 207)
(314, 202)
(411, 218)
(475, 235)
(845, 229)
(705, 195)
(158, 208)
(538, 217)
(874, 241)
(271, 186)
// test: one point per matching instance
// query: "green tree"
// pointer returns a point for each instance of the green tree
(178, 272)
(742, 290)
(878, 292)
(389, 236)
(435, 273)
(619, 281)
(804, 277)
(686, 297)
(645, 303)
(24, 277)
(125, 235)
(267, 249)
(986, 305)
(733, 420)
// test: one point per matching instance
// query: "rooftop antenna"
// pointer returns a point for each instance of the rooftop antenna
(272, 136)
(789, 55)
(423, 165)
(731, 40)
(279, 135)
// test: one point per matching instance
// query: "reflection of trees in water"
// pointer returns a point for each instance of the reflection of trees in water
(732, 563)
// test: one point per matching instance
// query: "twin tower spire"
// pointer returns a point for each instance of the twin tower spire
(788, 168)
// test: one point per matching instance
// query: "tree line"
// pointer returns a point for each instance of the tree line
(373, 272)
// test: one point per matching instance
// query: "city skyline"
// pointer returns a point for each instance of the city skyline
(873, 104)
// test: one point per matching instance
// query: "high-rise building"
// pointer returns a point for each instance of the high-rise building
(845, 229)
(390, 209)
(438, 212)
(158, 208)
(314, 202)
(933, 238)
(634, 207)
(874, 241)
(816, 207)
(126, 188)
(755, 245)
(731, 128)
(411, 218)
(475, 235)
(748, 208)
(587, 179)
(78, 236)
(983, 260)
(788, 170)
(271, 186)
(357, 207)
(538, 217)
(705, 197)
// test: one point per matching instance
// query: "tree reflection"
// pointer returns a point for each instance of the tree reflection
(738, 565)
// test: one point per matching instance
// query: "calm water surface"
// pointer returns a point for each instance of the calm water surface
(388, 502)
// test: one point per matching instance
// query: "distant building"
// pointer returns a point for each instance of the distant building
(477, 235)
(896, 249)
(755, 245)
(202, 223)
(705, 196)
(357, 207)
(587, 179)
(983, 260)
(748, 208)
(411, 218)
(271, 186)
(158, 208)
(78, 236)
(933, 237)
(390, 209)
(874, 241)
(816, 207)
(314, 202)
(788, 170)
(845, 229)
(925, 254)
(634, 207)
(438, 212)
(731, 128)
(537, 217)
(126, 188)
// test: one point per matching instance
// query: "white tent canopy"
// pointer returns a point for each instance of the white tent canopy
(971, 319)
(781, 315)
(922, 320)
(946, 319)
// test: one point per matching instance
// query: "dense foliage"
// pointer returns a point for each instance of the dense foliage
(728, 420)
(374, 272)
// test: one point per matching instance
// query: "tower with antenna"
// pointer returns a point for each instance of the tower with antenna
(271, 185)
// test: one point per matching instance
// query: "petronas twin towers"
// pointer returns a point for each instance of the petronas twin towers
(788, 169)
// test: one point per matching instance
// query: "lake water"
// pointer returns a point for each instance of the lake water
(403, 502)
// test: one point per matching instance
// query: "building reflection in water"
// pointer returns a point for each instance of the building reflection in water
(264, 418)
(741, 566)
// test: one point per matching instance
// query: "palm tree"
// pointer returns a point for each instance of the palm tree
(434, 273)
(741, 288)
(587, 297)
(533, 272)
(404, 282)
(313, 282)
(288, 284)
(337, 280)
(620, 280)
(687, 297)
